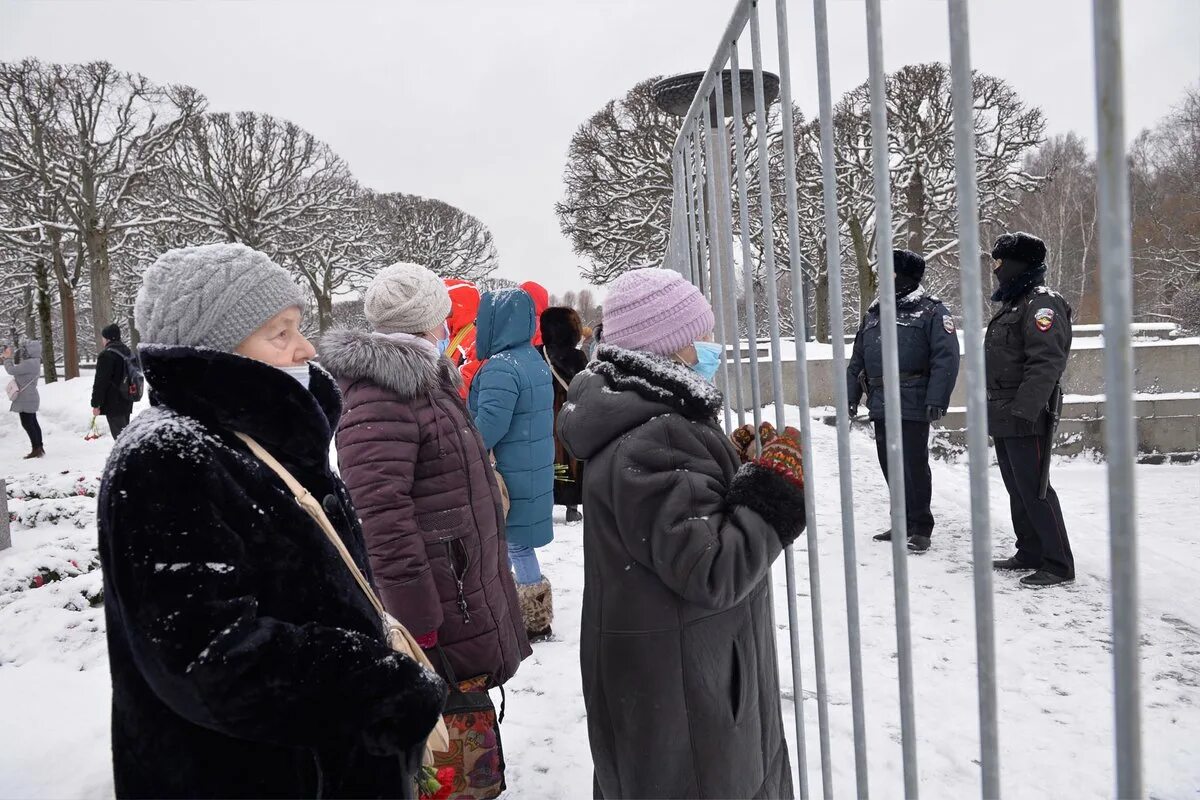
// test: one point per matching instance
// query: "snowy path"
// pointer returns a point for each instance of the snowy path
(1054, 662)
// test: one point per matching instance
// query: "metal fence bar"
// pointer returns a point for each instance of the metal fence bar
(739, 152)
(979, 458)
(833, 261)
(737, 22)
(701, 222)
(1120, 433)
(721, 148)
(768, 241)
(678, 234)
(693, 234)
(891, 391)
(715, 253)
(800, 334)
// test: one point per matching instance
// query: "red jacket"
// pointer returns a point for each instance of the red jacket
(464, 307)
(541, 301)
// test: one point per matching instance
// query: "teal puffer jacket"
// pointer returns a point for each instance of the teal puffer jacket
(512, 401)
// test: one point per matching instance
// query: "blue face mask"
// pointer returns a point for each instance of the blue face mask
(443, 344)
(708, 355)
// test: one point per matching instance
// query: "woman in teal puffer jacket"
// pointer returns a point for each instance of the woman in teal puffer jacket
(512, 401)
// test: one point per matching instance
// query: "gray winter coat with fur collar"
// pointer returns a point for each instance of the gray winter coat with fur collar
(430, 507)
(677, 644)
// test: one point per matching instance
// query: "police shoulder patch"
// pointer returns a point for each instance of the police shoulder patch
(1044, 319)
(948, 323)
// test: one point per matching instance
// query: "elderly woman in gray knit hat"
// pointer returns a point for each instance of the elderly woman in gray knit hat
(246, 660)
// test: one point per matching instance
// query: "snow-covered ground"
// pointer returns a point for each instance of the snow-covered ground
(1054, 665)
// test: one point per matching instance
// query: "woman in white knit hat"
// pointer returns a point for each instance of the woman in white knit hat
(422, 482)
(246, 660)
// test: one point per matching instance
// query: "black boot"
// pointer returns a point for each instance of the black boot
(1012, 563)
(886, 536)
(36, 452)
(918, 544)
(573, 515)
(1043, 579)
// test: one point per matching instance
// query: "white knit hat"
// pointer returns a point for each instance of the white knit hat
(406, 298)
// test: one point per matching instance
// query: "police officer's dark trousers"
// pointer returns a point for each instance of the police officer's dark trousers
(1041, 533)
(918, 482)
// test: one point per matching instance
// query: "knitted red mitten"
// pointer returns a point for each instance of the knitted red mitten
(743, 439)
(784, 457)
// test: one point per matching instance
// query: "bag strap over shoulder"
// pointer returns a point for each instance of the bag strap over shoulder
(314, 510)
(460, 337)
(566, 386)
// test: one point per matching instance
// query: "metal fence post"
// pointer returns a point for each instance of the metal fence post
(720, 145)
(739, 151)
(1120, 433)
(715, 253)
(800, 336)
(841, 397)
(891, 391)
(977, 433)
(768, 242)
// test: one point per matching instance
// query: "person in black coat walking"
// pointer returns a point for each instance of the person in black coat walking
(112, 367)
(1026, 348)
(562, 331)
(927, 346)
(245, 659)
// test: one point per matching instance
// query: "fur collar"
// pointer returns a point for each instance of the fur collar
(233, 393)
(1019, 286)
(408, 366)
(658, 379)
(907, 301)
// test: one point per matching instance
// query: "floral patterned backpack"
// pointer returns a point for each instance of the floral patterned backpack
(475, 752)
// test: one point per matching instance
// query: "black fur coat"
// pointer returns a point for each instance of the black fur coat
(245, 660)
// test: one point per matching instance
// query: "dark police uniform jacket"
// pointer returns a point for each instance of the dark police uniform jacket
(927, 346)
(1026, 349)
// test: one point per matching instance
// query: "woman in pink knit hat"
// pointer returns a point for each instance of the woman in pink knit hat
(678, 646)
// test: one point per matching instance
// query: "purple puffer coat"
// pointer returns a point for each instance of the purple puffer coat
(421, 482)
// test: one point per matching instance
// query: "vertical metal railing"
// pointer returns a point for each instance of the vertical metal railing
(891, 391)
(729, 282)
(978, 455)
(800, 336)
(705, 187)
(833, 262)
(1120, 432)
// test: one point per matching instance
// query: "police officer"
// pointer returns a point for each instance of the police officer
(927, 346)
(1026, 349)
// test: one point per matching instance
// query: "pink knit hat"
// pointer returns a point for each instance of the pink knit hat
(656, 311)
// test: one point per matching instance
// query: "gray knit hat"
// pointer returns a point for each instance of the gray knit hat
(214, 295)
(406, 298)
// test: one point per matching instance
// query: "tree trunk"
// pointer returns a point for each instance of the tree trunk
(134, 337)
(42, 279)
(70, 318)
(324, 312)
(862, 258)
(27, 312)
(823, 321)
(915, 198)
(100, 271)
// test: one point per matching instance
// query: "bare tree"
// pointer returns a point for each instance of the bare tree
(1164, 176)
(436, 235)
(921, 166)
(1063, 213)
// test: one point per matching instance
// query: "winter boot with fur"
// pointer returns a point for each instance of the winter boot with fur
(537, 609)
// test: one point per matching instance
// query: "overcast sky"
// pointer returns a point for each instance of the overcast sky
(474, 101)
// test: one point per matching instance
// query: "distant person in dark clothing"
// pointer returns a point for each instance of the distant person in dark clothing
(562, 330)
(109, 399)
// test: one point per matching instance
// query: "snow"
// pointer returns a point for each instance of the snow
(820, 351)
(1054, 648)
